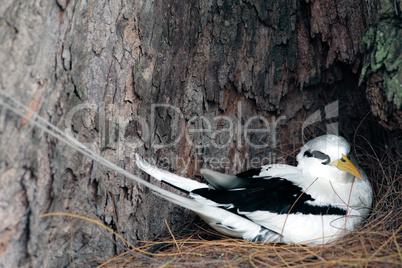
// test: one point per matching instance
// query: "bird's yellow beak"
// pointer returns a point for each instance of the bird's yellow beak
(345, 165)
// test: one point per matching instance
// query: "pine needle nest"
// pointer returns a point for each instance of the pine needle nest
(377, 243)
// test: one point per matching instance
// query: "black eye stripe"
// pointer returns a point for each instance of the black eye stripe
(308, 154)
(318, 155)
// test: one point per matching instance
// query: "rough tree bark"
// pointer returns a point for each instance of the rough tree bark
(383, 67)
(282, 60)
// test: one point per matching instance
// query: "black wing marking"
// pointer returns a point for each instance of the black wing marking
(176, 187)
(275, 195)
(250, 173)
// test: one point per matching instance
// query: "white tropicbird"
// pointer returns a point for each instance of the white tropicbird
(313, 203)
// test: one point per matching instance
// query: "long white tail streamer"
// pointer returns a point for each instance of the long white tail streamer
(40, 122)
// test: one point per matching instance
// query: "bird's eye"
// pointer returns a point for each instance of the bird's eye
(319, 155)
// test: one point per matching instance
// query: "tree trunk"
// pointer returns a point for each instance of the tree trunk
(179, 82)
(382, 69)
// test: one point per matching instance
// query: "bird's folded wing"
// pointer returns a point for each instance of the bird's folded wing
(222, 181)
(174, 180)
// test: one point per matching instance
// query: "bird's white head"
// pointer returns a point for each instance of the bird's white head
(328, 156)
